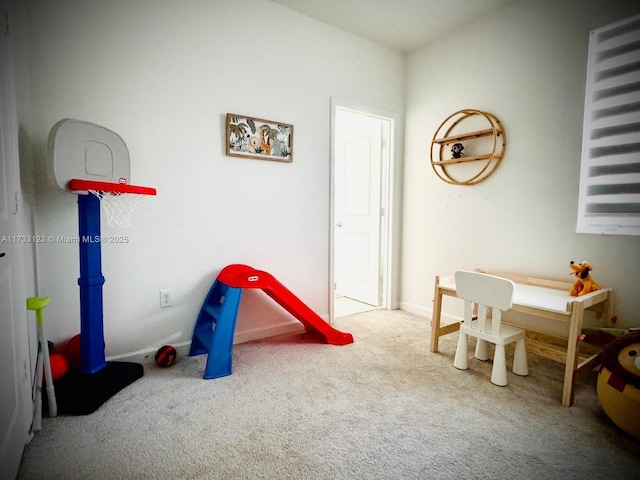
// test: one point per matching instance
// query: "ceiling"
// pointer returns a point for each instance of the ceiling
(402, 25)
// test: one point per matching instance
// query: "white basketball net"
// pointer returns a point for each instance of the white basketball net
(118, 207)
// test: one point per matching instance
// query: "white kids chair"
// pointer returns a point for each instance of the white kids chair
(488, 292)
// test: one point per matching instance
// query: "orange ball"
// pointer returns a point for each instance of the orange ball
(59, 366)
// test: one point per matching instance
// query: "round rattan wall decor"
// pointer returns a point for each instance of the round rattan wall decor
(467, 147)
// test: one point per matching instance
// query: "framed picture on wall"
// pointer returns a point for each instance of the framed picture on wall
(251, 137)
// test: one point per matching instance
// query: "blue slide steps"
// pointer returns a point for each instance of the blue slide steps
(215, 327)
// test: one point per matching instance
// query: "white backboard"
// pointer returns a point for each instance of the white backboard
(83, 150)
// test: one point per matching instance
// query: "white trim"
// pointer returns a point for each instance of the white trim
(17, 434)
(419, 310)
(266, 332)
(425, 312)
(147, 355)
(392, 204)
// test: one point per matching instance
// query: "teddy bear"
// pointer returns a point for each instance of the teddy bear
(584, 283)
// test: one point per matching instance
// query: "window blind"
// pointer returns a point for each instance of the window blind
(609, 200)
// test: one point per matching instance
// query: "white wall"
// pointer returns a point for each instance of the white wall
(525, 63)
(163, 74)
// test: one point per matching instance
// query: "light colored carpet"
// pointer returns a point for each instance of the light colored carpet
(381, 408)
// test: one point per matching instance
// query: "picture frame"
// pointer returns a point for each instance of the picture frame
(251, 137)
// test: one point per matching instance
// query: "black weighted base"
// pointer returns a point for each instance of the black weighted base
(82, 394)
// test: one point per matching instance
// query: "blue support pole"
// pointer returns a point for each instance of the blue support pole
(92, 344)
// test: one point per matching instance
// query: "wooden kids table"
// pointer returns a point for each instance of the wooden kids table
(550, 301)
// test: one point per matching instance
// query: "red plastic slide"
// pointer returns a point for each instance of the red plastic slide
(243, 276)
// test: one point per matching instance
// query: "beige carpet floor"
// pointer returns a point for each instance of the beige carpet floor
(380, 408)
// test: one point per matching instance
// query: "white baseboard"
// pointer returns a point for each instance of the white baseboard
(416, 309)
(271, 331)
(428, 313)
(182, 348)
(148, 355)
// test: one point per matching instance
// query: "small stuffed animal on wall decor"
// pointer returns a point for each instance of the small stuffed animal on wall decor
(456, 150)
(584, 283)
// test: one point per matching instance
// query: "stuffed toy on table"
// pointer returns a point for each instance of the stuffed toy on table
(584, 283)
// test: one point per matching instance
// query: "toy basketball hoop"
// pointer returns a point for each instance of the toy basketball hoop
(118, 200)
(93, 163)
(90, 159)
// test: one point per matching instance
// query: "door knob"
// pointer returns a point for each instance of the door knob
(339, 224)
(2, 254)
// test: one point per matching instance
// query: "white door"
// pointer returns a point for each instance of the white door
(13, 370)
(358, 167)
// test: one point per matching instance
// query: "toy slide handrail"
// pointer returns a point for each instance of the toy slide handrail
(242, 276)
(79, 185)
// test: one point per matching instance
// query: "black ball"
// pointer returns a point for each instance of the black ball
(166, 356)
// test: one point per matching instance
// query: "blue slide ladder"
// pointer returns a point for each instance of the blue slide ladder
(215, 327)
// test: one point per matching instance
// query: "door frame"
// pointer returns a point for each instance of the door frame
(10, 454)
(391, 195)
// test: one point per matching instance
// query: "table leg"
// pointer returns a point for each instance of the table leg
(573, 347)
(608, 308)
(435, 316)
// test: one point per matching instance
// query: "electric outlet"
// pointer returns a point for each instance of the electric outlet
(166, 300)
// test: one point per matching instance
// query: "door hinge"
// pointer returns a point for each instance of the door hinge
(16, 203)
(384, 143)
(382, 212)
(5, 21)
